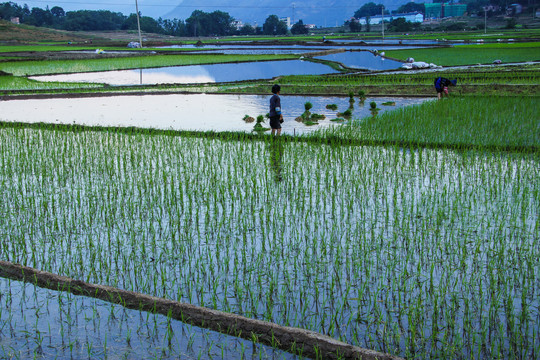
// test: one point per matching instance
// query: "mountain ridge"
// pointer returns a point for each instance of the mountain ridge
(324, 13)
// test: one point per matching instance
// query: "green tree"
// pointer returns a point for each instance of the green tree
(299, 28)
(354, 25)
(273, 26)
(411, 7)
(206, 24)
(172, 27)
(401, 25)
(148, 24)
(58, 12)
(9, 10)
(369, 9)
(40, 17)
(247, 30)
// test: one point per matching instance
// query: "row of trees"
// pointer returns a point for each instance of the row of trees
(200, 23)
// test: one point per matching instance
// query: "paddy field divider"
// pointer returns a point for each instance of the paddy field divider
(297, 341)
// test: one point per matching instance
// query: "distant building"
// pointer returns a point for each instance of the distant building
(374, 20)
(310, 26)
(443, 10)
(287, 21)
(15, 20)
(238, 24)
(514, 9)
(415, 17)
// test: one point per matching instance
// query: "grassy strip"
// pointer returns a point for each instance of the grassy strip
(63, 47)
(474, 35)
(27, 68)
(23, 85)
(492, 122)
(468, 55)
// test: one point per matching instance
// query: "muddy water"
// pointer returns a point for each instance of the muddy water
(184, 112)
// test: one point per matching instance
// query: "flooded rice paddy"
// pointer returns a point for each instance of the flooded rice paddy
(184, 112)
(362, 60)
(424, 254)
(196, 73)
(59, 325)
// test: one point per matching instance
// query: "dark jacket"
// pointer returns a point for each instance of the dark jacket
(275, 105)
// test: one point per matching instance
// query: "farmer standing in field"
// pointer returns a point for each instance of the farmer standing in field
(442, 84)
(276, 118)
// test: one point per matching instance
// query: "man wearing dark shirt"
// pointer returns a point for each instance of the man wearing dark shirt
(275, 110)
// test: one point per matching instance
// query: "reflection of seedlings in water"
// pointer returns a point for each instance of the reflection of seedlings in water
(362, 95)
(389, 103)
(373, 108)
(248, 119)
(346, 114)
(332, 107)
(317, 117)
(306, 115)
(351, 97)
(339, 120)
(258, 126)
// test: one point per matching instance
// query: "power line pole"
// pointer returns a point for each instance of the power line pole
(382, 20)
(293, 8)
(138, 22)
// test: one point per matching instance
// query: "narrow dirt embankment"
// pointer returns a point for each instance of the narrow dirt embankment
(295, 340)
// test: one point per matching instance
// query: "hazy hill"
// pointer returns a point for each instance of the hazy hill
(318, 12)
(26, 33)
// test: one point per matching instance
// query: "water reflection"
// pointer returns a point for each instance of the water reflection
(184, 112)
(275, 152)
(362, 60)
(196, 73)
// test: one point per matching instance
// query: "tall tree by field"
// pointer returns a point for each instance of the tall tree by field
(201, 23)
(369, 9)
(247, 30)
(354, 25)
(148, 24)
(299, 28)
(40, 17)
(172, 27)
(87, 20)
(411, 7)
(274, 26)
(10, 10)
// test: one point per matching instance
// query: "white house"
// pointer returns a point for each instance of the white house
(415, 17)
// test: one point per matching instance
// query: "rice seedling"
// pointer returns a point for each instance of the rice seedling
(332, 107)
(409, 251)
(503, 122)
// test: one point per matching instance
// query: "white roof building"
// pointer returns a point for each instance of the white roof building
(415, 17)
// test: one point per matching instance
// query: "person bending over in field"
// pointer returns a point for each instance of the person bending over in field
(442, 84)
(276, 118)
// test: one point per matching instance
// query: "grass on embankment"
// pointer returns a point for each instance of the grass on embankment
(509, 123)
(471, 54)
